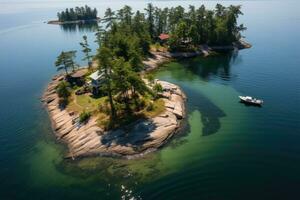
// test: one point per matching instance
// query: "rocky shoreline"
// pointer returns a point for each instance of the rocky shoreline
(159, 57)
(134, 140)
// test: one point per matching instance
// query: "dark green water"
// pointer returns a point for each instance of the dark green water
(227, 151)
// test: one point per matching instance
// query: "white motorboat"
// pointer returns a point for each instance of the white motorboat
(251, 100)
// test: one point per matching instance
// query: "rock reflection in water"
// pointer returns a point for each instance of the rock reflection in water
(209, 67)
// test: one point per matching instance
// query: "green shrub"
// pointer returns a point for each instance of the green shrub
(62, 90)
(104, 108)
(150, 78)
(138, 103)
(150, 107)
(141, 102)
(158, 88)
(84, 117)
(157, 46)
(63, 102)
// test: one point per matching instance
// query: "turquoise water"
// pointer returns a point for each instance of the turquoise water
(226, 151)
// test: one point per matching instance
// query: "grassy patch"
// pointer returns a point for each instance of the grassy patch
(123, 119)
(85, 102)
(157, 47)
(158, 106)
(99, 108)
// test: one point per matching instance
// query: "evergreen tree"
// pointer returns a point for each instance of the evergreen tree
(192, 16)
(63, 90)
(100, 34)
(105, 57)
(220, 10)
(139, 26)
(62, 62)
(120, 79)
(71, 55)
(109, 17)
(127, 14)
(86, 50)
(193, 35)
(232, 26)
(200, 24)
(150, 19)
(79, 13)
(65, 61)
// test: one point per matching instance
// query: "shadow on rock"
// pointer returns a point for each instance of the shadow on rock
(133, 135)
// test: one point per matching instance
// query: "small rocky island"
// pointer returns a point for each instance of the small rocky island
(114, 106)
(78, 15)
(142, 136)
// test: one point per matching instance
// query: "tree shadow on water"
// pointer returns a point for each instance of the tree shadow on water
(210, 113)
(205, 68)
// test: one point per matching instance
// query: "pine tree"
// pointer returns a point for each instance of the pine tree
(104, 57)
(70, 56)
(109, 17)
(86, 50)
(62, 62)
(150, 19)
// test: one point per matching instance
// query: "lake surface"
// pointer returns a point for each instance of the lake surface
(226, 151)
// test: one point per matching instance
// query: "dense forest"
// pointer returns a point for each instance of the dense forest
(78, 13)
(189, 27)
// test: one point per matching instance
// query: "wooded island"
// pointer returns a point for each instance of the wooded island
(113, 107)
(76, 15)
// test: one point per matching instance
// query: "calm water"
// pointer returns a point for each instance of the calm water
(227, 151)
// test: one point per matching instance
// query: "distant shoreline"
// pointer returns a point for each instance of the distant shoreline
(57, 22)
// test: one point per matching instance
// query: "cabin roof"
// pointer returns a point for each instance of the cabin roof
(96, 75)
(164, 36)
(80, 73)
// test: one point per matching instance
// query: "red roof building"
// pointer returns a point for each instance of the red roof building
(164, 36)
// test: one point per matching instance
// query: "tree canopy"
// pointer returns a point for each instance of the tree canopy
(65, 61)
(86, 50)
(77, 13)
(193, 26)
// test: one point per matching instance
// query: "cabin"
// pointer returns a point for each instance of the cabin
(97, 78)
(77, 78)
(163, 37)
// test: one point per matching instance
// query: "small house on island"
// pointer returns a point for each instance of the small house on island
(77, 78)
(163, 37)
(97, 78)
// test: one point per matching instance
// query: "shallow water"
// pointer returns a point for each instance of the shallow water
(226, 151)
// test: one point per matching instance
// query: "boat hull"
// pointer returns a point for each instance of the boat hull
(251, 102)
